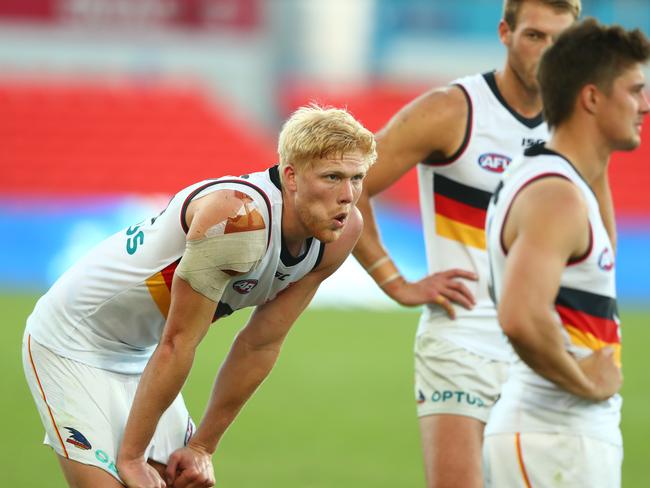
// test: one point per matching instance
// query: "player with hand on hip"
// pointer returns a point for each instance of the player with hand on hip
(553, 270)
(461, 137)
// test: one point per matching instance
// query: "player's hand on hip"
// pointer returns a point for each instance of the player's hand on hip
(139, 474)
(604, 374)
(442, 289)
(190, 467)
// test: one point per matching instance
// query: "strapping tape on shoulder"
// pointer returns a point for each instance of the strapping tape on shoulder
(205, 260)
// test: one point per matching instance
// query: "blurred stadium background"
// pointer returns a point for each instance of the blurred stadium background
(107, 107)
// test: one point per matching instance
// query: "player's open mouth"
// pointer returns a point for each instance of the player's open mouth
(341, 218)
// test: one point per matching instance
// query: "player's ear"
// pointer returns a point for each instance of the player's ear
(590, 97)
(289, 177)
(505, 33)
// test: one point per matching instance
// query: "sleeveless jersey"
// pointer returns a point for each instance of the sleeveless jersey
(585, 306)
(454, 195)
(109, 309)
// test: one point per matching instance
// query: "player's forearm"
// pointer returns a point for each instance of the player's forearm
(369, 250)
(369, 247)
(160, 384)
(536, 337)
(242, 372)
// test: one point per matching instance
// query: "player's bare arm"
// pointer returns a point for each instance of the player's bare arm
(255, 351)
(434, 123)
(547, 226)
(193, 303)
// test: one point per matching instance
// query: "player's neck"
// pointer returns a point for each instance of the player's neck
(526, 102)
(587, 153)
(294, 232)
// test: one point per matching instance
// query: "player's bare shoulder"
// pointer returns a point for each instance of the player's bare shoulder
(435, 121)
(223, 212)
(550, 208)
(444, 102)
(226, 237)
(554, 195)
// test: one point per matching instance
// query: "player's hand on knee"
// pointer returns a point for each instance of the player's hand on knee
(603, 372)
(190, 467)
(442, 289)
(139, 474)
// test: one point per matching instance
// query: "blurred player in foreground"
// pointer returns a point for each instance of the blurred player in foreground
(552, 263)
(108, 348)
(463, 136)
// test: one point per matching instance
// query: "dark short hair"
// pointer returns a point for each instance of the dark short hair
(586, 53)
(511, 9)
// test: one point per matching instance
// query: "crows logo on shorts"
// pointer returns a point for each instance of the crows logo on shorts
(421, 397)
(77, 439)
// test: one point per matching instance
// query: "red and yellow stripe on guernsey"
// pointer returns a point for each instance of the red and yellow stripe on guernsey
(590, 319)
(460, 211)
(160, 284)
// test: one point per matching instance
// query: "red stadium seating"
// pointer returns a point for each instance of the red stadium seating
(85, 139)
(95, 139)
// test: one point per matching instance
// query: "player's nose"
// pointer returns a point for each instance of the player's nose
(346, 194)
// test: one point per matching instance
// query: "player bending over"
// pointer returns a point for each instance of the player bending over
(108, 348)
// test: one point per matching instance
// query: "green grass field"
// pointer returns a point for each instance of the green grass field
(337, 411)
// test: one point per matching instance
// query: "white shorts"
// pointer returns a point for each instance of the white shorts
(84, 409)
(452, 380)
(531, 459)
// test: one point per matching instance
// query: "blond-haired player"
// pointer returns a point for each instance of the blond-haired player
(109, 346)
(552, 264)
(461, 137)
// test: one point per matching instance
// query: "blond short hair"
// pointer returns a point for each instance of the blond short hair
(511, 8)
(314, 132)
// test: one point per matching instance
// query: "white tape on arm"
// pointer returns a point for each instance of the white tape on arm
(205, 260)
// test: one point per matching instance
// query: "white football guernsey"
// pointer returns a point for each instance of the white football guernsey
(585, 305)
(108, 310)
(454, 195)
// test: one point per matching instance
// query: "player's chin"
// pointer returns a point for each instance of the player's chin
(629, 143)
(328, 235)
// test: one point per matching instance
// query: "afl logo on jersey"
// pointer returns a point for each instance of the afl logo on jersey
(244, 286)
(497, 163)
(606, 260)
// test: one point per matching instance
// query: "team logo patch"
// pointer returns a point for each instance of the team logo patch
(606, 260)
(497, 163)
(421, 397)
(77, 439)
(244, 286)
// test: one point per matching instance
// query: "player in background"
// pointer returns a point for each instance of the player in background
(461, 137)
(109, 346)
(552, 263)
